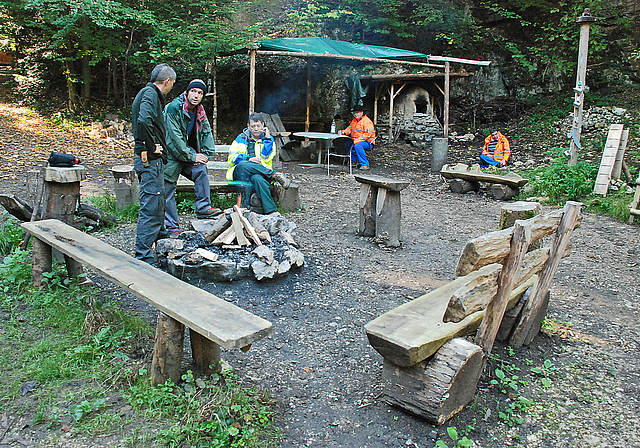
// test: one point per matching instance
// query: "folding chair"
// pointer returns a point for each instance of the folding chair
(340, 147)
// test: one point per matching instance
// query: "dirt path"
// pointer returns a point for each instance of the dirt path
(327, 378)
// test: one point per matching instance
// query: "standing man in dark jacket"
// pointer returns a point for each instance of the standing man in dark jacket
(149, 155)
(190, 144)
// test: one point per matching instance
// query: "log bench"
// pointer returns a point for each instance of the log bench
(213, 322)
(429, 369)
(380, 210)
(465, 179)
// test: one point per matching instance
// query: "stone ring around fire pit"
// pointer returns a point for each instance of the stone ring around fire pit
(206, 253)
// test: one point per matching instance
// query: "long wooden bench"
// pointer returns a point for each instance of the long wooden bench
(213, 322)
(464, 179)
(428, 369)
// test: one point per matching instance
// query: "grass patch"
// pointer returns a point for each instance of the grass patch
(73, 358)
(107, 203)
(185, 201)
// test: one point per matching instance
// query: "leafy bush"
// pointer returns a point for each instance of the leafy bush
(10, 234)
(560, 182)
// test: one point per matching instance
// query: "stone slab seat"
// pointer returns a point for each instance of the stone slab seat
(212, 317)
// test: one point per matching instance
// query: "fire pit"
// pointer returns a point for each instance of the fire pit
(239, 244)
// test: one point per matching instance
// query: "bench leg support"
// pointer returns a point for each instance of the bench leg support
(168, 349)
(388, 216)
(74, 268)
(439, 387)
(42, 261)
(206, 354)
(368, 197)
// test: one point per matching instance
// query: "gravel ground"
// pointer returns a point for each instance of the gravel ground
(327, 379)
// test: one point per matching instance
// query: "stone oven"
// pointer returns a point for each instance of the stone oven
(417, 108)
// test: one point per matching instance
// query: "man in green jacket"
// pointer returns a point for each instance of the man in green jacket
(190, 144)
(149, 155)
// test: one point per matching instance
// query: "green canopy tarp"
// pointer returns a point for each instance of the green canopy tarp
(337, 47)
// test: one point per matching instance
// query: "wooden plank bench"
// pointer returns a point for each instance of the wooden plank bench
(465, 179)
(213, 322)
(428, 369)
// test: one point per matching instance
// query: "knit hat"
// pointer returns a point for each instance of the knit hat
(357, 109)
(197, 84)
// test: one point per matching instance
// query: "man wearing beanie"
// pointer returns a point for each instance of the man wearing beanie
(149, 155)
(190, 144)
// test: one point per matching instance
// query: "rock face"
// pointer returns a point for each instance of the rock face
(268, 261)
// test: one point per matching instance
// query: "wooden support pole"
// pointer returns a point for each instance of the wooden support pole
(524, 332)
(252, 81)
(486, 335)
(447, 82)
(206, 354)
(581, 84)
(391, 97)
(214, 113)
(307, 122)
(167, 351)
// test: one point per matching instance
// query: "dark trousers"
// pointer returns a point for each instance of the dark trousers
(260, 178)
(151, 217)
(198, 175)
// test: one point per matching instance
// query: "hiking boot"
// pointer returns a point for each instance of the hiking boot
(255, 201)
(174, 235)
(282, 179)
(209, 213)
(364, 167)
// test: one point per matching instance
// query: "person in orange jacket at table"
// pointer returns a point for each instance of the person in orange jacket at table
(496, 150)
(363, 134)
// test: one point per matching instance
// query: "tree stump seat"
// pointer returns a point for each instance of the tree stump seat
(428, 369)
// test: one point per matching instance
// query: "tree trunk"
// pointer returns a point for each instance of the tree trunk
(439, 387)
(71, 89)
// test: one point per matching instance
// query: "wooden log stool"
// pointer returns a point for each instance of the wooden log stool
(126, 185)
(380, 211)
(61, 196)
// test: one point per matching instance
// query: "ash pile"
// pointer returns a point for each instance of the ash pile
(238, 244)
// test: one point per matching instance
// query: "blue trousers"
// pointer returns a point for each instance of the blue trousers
(358, 150)
(151, 218)
(197, 173)
(486, 160)
(260, 178)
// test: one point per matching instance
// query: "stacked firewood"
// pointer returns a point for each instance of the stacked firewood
(233, 230)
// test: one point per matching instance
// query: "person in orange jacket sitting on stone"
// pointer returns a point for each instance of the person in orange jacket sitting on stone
(496, 150)
(363, 134)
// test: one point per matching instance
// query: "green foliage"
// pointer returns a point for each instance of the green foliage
(560, 182)
(545, 370)
(107, 203)
(615, 204)
(15, 272)
(458, 441)
(103, 343)
(11, 235)
(214, 412)
(86, 407)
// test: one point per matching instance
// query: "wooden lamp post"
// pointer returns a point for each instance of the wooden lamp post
(585, 21)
